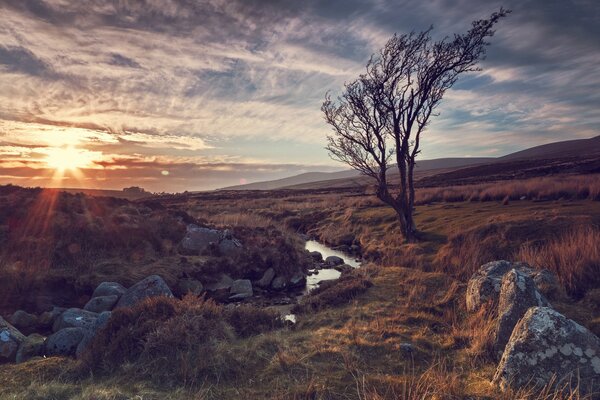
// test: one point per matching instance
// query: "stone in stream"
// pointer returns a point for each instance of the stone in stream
(316, 256)
(334, 260)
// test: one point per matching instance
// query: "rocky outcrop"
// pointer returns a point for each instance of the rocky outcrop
(64, 342)
(151, 286)
(32, 346)
(546, 347)
(241, 289)
(518, 293)
(10, 340)
(485, 284)
(198, 239)
(101, 303)
(75, 318)
(109, 289)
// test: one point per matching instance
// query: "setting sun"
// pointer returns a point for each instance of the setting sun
(69, 158)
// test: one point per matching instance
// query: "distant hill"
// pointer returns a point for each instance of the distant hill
(578, 155)
(120, 194)
(351, 177)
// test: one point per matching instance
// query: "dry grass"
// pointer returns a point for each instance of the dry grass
(574, 256)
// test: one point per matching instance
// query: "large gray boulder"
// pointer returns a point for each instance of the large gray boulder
(74, 318)
(64, 342)
(548, 348)
(266, 279)
(486, 282)
(10, 340)
(23, 321)
(151, 286)
(91, 333)
(240, 289)
(223, 283)
(101, 303)
(32, 346)
(198, 238)
(518, 293)
(109, 289)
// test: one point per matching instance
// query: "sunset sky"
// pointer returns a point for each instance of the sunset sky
(192, 95)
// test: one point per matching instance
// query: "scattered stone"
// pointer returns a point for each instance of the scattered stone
(32, 346)
(90, 334)
(109, 289)
(518, 293)
(224, 283)
(101, 303)
(230, 247)
(189, 285)
(151, 286)
(10, 341)
(266, 279)
(24, 322)
(545, 345)
(279, 283)
(241, 289)
(74, 318)
(46, 319)
(334, 260)
(64, 342)
(297, 280)
(316, 256)
(344, 268)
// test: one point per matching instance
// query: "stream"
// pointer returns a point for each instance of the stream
(313, 281)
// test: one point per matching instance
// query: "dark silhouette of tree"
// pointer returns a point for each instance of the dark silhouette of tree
(379, 118)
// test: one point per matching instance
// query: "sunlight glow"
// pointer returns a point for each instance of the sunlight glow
(70, 158)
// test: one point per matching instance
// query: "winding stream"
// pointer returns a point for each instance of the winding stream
(313, 281)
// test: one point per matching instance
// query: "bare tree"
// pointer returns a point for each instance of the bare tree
(380, 117)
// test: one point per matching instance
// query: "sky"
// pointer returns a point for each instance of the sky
(175, 95)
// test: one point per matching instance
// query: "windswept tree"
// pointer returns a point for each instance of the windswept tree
(379, 118)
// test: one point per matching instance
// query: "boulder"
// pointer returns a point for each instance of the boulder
(101, 303)
(266, 279)
(485, 284)
(546, 347)
(198, 238)
(223, 283)
(109, 289)
(91, 333)
(10, 341)
(518, 293)
(230, 247)
(241, 289)
(334, 260)
(316, 256)
(279, 283)
(24, 322)
(151, 286)
(64, 342)
(344, 268)
(297, 280)
(32, 346)
(189, 285)
(74, 318)
(46, 319)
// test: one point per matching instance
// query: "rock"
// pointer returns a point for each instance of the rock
(189, 285)
(101, 303)
(24, 322)
(334, 260)
(546, 345)
(316, 256)
(90, 334)
(518, 293)
(10, 341)
(298, 280)
(266, 279)
(279, 283)
(407, 347)
(230, 247)
(224, 283)
(485, 284)
(241, 289)
(46, 319)
(74, 318)
(64, 342)
(151, 286)
(344, 268)
(547, 282)
(199, 238)
(109, 289)
(32, 346)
